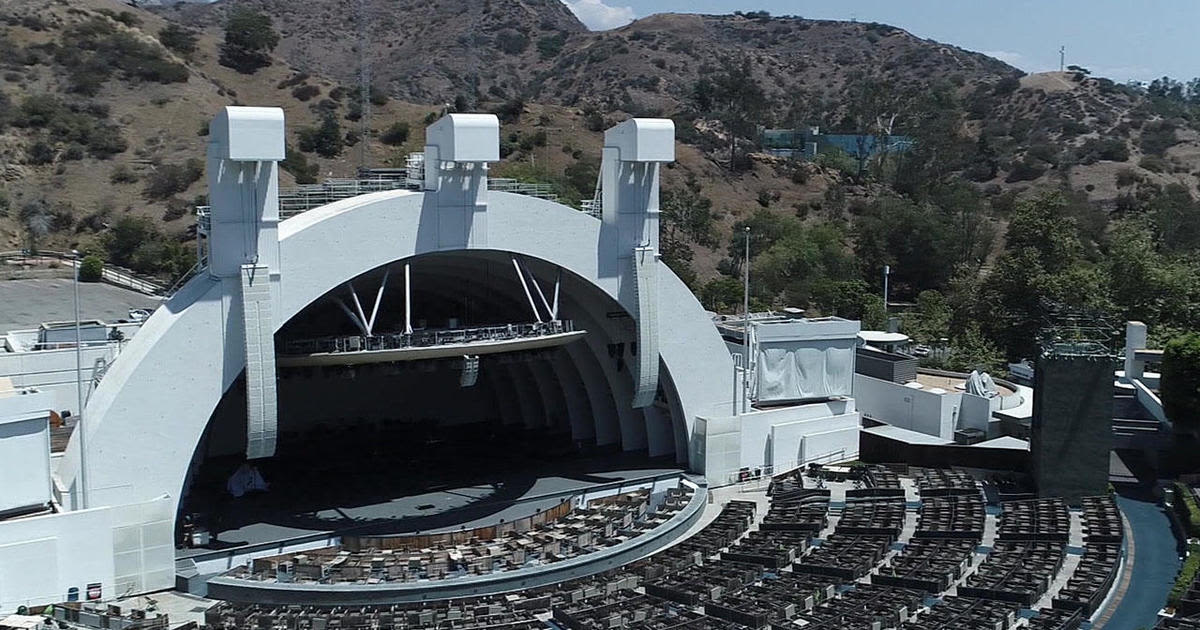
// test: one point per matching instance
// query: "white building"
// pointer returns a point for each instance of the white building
(650, 375)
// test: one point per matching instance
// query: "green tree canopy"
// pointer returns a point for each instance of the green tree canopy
(687, 221)
(249, 40)
(735, 97)
(326, 140)
(917, 240)
(1181, 380)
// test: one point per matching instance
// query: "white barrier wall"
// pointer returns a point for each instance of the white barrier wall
(975, 412)
(907, 407)
(780, 438)
(128, 549)
(53, 371)
(25, 451)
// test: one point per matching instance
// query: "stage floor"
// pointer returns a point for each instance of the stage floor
(258, 518)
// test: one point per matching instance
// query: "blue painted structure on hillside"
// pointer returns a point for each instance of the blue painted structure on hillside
(807, 143)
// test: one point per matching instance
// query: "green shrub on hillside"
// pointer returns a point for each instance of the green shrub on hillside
(306, 92)
(39, 152)
(297, 164)
(511, 41)
(326, 140)
(82, 123)
(91, 269)
(122, 174)
(550, 45)
(1096, 149)
(1126, 177)
(171, 179)
(124, 17)
(1154, 164)
(1025, 170)
(7, 111)
(1157, 137)
(396, 134)
(838, 160)
(178, 39)
(95, 49)
(136, 243)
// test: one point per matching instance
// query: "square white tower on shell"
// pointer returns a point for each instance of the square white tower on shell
(249, 134)
(465, 138)
(643, 140)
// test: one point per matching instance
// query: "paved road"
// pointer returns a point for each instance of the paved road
(27, 303)
(1151, 564)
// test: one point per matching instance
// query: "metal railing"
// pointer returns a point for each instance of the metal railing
(294, 201)
(111, 274)
(203, 220)
(541, 191)
(425, 338)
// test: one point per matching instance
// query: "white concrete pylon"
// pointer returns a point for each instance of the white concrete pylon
(633, 154)
(458, 148)
(244, 150)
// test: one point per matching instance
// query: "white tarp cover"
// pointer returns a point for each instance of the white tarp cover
(246, 479)
(804, 369)
(21, 622)
(981, 384)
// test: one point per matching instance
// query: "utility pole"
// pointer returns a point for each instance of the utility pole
(746, 322)
(1062, 58)
(79, 426)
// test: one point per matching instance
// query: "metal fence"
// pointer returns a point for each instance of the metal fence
(425, 338)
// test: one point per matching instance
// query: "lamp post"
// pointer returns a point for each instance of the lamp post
(746, 322)
(887, 271)
(79, 428)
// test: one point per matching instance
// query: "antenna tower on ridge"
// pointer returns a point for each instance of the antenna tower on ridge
(364, 80)
(1062, 58)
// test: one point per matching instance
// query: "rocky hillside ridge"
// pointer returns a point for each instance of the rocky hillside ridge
(431, 52)
(420, 51)
(810, 71)
(118, 142)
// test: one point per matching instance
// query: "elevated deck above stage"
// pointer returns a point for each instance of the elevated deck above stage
(427, 344)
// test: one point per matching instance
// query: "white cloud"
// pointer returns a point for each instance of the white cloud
(599, 16)
(1122, 74)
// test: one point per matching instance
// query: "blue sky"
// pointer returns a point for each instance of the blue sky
(1120, 39)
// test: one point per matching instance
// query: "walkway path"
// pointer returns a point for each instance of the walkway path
(1152, 560)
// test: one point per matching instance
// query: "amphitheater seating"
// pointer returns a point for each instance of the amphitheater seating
(1092, 580)
(845, 557)
(927, 564)
(602, 523)
(1015, 572)
(876, 518)
(877, 482)
(967, 613)
(729, 575)
(960, 516)
(1056, 619)
(1179, 623)
(866, 606)
(1038, 519)
(936, 482)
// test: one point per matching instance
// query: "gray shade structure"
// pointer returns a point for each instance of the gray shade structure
(1071, 432)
